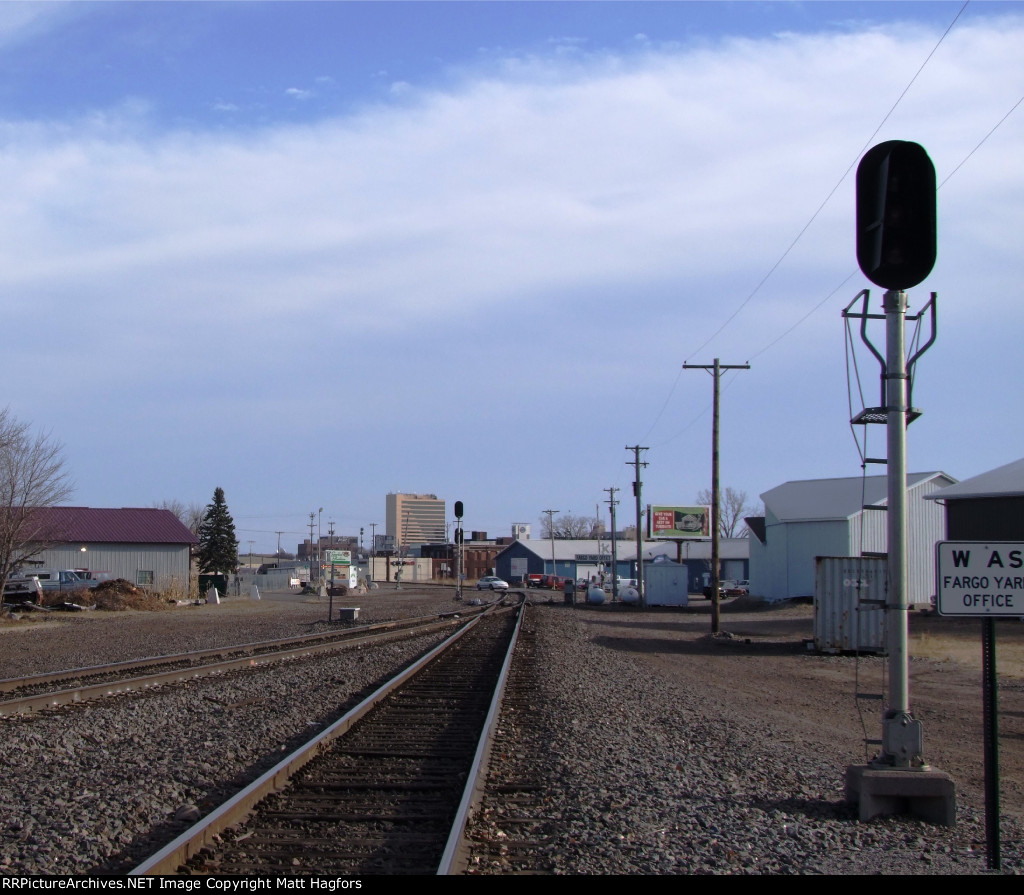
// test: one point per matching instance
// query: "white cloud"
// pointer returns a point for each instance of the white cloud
(543, 227)
(22, 21)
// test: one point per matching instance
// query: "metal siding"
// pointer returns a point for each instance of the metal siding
(926, 526)
(169, 563)
(875, 537)
(808, 540)
(665, 584)
(773, 582)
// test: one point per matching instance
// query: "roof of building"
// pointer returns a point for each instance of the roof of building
(829, 499)
(1004, 481)
(571, 548)
(122, 526)
(756, 526)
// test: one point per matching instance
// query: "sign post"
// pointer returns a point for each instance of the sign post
(983, 579)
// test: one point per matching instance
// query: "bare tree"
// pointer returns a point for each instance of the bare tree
(32, 477)
(191, 515)
(732, 508)
(567, 526)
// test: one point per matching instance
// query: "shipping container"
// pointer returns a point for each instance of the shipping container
(849, 604)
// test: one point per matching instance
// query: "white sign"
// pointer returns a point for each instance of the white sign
(979, 578)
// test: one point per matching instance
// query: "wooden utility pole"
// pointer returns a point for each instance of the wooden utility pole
(551, 534)
(637, 484)
(615, 560)
(716, 369)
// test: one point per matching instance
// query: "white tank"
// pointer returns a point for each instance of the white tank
(595, 595)
(629, 595)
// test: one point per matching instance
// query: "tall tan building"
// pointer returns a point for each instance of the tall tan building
(415, 519)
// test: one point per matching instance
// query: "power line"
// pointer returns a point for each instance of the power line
(831, 192)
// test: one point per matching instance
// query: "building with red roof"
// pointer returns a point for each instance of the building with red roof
(149, 547)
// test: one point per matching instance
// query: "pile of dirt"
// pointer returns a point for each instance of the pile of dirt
(112, 596)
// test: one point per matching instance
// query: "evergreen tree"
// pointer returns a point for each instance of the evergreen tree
(218, 549)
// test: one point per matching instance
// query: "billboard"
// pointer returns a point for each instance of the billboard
(678, 522)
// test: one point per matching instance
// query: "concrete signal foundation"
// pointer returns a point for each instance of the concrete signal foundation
(924, 793)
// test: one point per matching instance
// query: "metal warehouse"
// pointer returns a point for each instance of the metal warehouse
(151, 548)
(841, 517)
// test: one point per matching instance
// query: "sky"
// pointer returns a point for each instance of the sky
(312, 253)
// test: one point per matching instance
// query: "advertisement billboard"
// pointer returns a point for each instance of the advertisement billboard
(678, 522)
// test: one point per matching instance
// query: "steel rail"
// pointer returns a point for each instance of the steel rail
(8, 685)
(454, 858)
(41, 701)
(237, 808)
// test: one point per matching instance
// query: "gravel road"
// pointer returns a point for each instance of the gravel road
(664, 750)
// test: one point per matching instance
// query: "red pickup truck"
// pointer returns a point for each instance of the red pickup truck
(553, 582)
(533, 580)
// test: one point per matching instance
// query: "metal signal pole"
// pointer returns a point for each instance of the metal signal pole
(716, 370)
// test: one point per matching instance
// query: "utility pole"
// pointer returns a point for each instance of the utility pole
(637, 485)
(278, 533)
(551, 533)
(716, 369)
(615, 565)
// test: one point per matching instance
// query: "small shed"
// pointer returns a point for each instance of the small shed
(989, 506)
(666, 584)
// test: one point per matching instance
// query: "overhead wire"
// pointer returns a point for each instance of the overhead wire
(832, 192)
(771, 344)
(807, 226)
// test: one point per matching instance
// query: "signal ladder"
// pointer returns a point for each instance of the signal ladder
(880, 416)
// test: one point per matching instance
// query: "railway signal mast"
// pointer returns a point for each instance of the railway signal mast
(458, 550)
(896, 247)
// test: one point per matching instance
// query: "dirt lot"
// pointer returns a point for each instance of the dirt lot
(763, 665)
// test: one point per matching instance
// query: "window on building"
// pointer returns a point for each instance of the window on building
(143, 579)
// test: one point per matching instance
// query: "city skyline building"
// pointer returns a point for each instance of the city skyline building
(413, 519)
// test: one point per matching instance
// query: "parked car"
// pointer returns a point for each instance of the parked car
(492, 582)
(730, 588)
(533, 579)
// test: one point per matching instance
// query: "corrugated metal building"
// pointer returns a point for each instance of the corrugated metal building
(987, 506)
(587, 558)
(149, 547)
(826, 517)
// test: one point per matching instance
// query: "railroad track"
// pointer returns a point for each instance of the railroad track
(49, 691)
(385, 790)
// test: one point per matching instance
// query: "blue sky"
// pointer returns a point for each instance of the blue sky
(315, 252)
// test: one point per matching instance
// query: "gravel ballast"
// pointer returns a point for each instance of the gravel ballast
(661, 749)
